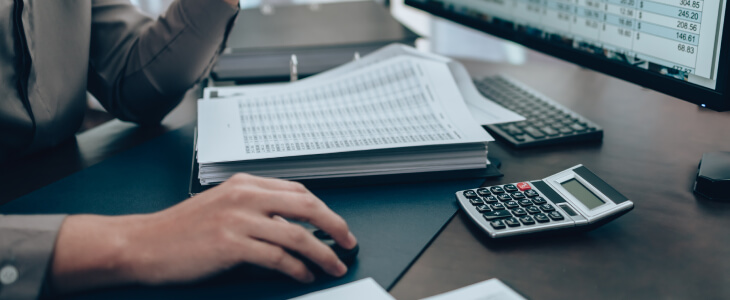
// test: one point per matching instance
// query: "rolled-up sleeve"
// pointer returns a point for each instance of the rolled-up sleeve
(141, 68)
(26, 246)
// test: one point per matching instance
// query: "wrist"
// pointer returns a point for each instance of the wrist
(93, 251)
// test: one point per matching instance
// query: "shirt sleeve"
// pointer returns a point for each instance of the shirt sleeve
(26, 246)
(140, 68)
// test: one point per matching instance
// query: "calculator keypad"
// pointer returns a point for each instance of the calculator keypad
(512, 206)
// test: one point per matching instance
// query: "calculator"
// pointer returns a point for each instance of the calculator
(574, 199)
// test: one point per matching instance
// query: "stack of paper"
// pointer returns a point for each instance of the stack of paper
(397, 115)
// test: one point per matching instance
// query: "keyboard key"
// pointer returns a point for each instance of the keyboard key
(497, 206)
(555, 216)
(534, 132)
(497, 190)
(510, 188)
(504, 197)
(497, 214)
(525, 202)
(527, 220)
(483, 192)
(547, 208)
(518, 195)
(513, 130)
(519, 212)
(577, 127)
(511, 204)
(476, 201)
(512, 222)
(523, 186)
(483, 208)
(498, 224)
(490, 199)
(549, 130)
(542, 218)
(470, 194)
(531, 193)
(565, 130)
(533, 210)
(538, 200)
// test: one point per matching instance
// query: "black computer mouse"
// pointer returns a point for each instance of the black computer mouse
(347, 256)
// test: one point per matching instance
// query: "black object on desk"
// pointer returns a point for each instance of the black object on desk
(713, 176)
(322, 36)
(393, 223)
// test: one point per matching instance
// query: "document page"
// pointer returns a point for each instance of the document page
(483, 110)
(492, 289)
(400, 102)
(363, 289)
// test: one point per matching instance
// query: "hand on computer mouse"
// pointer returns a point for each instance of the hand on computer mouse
(225, 226)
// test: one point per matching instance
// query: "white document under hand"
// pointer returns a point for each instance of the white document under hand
(363, 289)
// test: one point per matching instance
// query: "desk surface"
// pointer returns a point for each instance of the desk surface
(672, 245)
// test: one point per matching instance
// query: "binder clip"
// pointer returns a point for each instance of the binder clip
(293, 73)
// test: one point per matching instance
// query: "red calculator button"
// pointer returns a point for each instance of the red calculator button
(523, 186)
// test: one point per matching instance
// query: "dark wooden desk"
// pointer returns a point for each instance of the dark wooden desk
(672, 245)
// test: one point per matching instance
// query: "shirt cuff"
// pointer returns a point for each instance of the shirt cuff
(26, 248)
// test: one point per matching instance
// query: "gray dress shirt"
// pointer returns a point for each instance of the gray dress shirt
(138, 68)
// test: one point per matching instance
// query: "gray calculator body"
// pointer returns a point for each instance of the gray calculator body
(572, 199)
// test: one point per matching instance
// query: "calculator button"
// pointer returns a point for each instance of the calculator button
(519, 212)
(483, 192)
(497, 214)
(490, 199)
(497, 190)
(527, 220)
(470, 194)
(555, 216)
(538, 200)
(518, 195)
(483, 208)
(504, 197)
(512, 222)
(511, 204)
(531, 193)
(510, 188)
(497, 206)
(497, 224)
(525, 202)
(476, 201)
(523, 186)
(547, 207)
(533, 210)
(542, 218)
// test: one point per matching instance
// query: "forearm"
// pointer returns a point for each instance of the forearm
(92, 251)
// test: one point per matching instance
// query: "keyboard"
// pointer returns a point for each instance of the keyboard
(547, 122)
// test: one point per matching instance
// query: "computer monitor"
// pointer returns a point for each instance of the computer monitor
(677, 47)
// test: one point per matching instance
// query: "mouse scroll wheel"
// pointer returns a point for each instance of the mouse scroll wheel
(320, 234)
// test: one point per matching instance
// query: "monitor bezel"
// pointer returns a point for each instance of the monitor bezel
(717, 99)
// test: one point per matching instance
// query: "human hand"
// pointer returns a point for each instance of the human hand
(230, 224)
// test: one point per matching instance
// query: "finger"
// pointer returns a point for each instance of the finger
(267, 183)
(309, 208)
(274, 257)
(294, 237)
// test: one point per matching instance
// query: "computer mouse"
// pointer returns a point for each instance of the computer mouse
(347, 256)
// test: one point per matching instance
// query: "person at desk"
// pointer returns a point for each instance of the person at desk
(51, 53)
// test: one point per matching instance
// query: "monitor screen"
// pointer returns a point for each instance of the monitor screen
(672, 46)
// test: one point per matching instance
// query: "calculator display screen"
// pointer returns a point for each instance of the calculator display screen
(583, 194)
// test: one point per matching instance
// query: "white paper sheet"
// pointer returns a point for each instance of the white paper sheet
(492, 289)
(399, 102)
(363, 289)
(483, 110)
